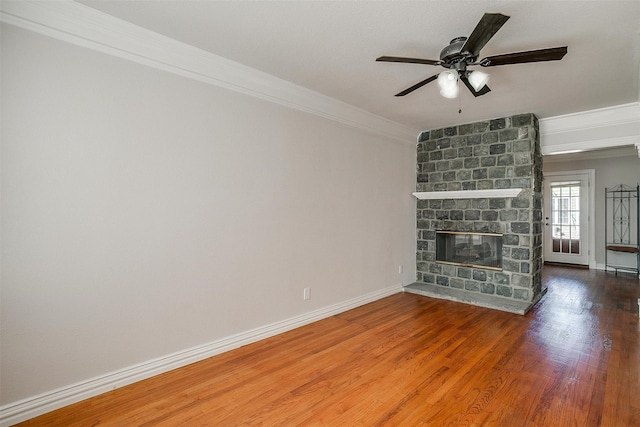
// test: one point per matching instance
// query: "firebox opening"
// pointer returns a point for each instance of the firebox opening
(482, 250)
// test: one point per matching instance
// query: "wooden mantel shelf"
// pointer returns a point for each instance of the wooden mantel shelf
(469, 194)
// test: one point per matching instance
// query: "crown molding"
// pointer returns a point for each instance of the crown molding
(87, 27)
(608, 127)
(589, 145)
(616, 152)
(585, 120)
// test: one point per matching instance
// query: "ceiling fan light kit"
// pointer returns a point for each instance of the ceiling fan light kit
(463, 52)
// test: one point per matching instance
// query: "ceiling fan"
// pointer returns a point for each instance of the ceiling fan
(463, 52)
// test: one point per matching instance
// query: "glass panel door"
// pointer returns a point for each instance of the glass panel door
(565, 217)
(566, 207)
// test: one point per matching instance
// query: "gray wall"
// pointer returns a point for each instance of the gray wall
(144, 213)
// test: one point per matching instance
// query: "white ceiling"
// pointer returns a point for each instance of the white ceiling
(331, 46)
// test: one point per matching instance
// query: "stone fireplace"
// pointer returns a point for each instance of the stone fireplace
(480, 180)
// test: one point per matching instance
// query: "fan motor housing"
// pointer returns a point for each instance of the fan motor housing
(452, 54)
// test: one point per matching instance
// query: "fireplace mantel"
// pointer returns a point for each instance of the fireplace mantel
(469, 194)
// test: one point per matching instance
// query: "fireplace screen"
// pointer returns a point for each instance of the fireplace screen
(482, 250)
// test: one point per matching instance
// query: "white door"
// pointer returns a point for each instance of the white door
(566, 218)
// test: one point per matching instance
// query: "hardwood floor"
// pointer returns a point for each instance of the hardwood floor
(409, 360)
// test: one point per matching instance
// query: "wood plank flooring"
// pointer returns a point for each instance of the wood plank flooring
(409, 360)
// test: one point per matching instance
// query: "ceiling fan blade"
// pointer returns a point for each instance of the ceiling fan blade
(484, 90)
(408, 60)
(417, 86)
(540, 55)
(489, 24)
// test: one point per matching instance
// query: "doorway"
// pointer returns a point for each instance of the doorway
(568, 210)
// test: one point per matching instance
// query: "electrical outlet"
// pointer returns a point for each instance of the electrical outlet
(306, 294)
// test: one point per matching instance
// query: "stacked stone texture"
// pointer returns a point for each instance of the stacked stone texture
(494, 154)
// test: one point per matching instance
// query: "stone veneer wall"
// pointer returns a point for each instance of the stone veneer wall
(499, 153)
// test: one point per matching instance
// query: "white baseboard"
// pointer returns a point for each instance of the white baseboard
(37, 405)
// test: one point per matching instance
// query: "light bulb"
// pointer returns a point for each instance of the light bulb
(447, 79)
(477, 79)
(449, 92)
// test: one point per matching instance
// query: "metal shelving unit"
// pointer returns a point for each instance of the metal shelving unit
(622, 225)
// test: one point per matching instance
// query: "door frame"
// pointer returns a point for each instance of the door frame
(591, 189)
